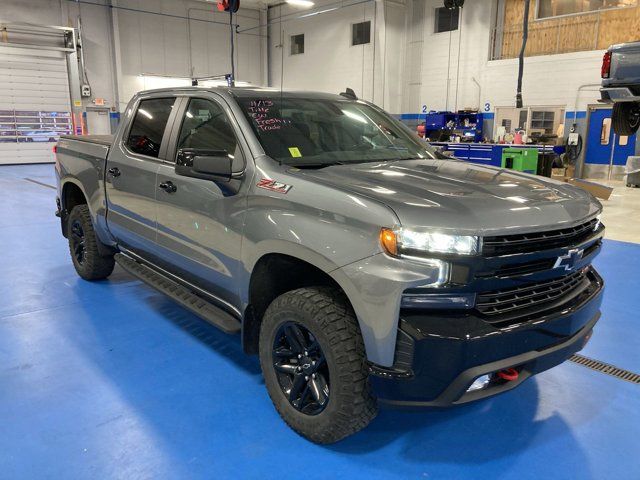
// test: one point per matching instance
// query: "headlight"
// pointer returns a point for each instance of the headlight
(402, 242)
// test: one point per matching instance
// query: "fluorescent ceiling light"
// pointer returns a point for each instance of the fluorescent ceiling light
(301, 3)
(318, 12)
(355, 116)
(145, 113)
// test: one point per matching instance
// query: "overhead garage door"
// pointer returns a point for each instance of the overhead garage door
(34, 104)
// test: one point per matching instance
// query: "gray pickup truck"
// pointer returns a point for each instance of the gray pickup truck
(360, 265)
(621, 86)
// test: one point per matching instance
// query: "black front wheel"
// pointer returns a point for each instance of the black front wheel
(83, 246)
(626, 118)
(313, 361)
(301, 368)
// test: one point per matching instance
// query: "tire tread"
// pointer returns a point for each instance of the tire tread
(331, 310)
(96, 267)
(620, 118)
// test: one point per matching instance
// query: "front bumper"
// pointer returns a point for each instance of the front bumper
(439, 357)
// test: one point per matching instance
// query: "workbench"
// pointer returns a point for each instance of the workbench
(490, 153)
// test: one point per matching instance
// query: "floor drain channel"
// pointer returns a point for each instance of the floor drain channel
(40, 183)
(606, 368)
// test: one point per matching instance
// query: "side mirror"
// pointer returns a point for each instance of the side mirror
(204, 164)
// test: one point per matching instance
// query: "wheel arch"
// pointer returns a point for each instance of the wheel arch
(282, 269)
(71, 194)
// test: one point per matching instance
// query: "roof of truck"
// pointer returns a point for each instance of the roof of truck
(243, 92)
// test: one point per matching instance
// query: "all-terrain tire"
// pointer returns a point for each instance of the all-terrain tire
(626, 118)
(83, 246)
(326, 314)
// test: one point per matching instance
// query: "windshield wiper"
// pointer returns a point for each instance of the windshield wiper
(316, 165)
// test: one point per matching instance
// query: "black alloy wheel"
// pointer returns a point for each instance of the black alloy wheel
(314, 364)
(301, 368)
(78, 242)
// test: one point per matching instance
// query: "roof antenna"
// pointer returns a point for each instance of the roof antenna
(350, 94)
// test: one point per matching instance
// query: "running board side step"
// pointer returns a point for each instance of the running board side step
(180, 294)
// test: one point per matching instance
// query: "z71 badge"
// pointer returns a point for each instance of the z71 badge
(274, 186)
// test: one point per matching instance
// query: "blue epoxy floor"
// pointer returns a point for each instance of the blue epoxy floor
(112, 380)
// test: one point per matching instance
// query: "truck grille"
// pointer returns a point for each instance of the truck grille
(537, 241)
(533, 296)
(518, 269)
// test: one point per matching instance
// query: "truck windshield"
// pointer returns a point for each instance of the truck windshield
(319, 132)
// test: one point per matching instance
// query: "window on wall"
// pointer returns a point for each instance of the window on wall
(361, 33)
(543, 120)
(523, 115)
(555, 8)
(605, 131)
(297, 44)
(446, 19)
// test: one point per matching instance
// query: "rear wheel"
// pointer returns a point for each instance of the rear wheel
(83, 246)
(626, 118)
(313, 362)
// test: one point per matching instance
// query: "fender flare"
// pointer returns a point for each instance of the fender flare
(300, 252)
(64, 210)
(103, 247)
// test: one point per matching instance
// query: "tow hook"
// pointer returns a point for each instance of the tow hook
(508, 374)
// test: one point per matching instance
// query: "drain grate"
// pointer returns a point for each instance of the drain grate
(606, 368)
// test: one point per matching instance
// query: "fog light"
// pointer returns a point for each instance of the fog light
(479, 383)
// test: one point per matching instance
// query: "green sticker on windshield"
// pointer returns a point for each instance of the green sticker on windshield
(295, 152)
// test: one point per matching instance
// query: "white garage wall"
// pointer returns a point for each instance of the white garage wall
(160, 46)
(330, 63)
(418, 67)
(145, 43)
(405, 66)
(548, 80)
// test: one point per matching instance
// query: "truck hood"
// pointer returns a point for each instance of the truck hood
(461, 197)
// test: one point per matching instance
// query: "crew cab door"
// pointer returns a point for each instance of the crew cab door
(200, 220)
(132, 167)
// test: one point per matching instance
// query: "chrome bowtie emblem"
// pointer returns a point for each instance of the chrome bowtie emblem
(569, 261)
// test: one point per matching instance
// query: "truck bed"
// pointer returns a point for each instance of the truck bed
(625, 65)
(99, 139)
(83, 151)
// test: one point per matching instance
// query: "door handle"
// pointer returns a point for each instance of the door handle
(114, 171)
(168, 187)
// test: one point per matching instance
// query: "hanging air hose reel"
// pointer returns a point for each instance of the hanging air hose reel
(228, 5)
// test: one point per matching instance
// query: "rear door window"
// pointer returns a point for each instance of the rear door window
(148, 126)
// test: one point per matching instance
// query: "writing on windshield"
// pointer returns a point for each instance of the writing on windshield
(317, 131)
(260, 112)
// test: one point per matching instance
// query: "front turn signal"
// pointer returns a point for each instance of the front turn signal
(389, 241)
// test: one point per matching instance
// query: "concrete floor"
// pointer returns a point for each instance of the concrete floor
(112, 380)
(622, 212)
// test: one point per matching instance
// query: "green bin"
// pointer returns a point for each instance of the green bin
(521, 159)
